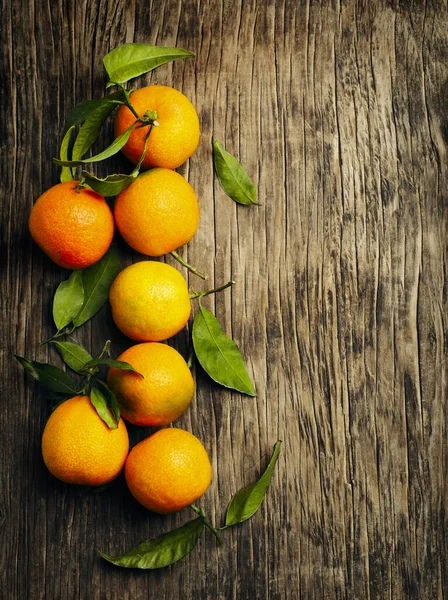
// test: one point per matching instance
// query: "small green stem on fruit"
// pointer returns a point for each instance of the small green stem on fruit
(127, 100)
(150, 116)
(214, 291)
(201, 513)
(187, 266)
(132, 109)
(80, 185)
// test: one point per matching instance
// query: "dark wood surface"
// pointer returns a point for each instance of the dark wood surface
(339, 111)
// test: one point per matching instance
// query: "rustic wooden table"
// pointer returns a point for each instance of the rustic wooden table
(339, 112)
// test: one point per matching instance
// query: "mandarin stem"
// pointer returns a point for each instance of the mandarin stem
(187, 266)
(58, 334)
(127, 101)
(201, 513)
(214, 291)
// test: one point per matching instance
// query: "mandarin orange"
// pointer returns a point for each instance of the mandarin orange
(150, 301)
(168, 470)
(175, 138)
(78, 447)
(162, 394)
(73, 226)
(157, 213)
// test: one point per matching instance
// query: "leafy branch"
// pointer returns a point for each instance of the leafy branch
(81, 362)
(122, 63)
(174, 545)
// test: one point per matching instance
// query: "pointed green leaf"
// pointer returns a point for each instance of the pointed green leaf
(112, 399)
(48, 375)
(164, 550)
(131, 60)
(73, 355)
(112, 185)
(99, 402)
(114, 405)
(66, 174)
(115, 147)
(91, 128)
(218, 355)
(247, 501)
(232, 176)
(68, 300)
(111, 363)
(97, 280)
(83, 110)
(109, 186)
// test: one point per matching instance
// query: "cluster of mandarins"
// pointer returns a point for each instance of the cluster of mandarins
(150, 302)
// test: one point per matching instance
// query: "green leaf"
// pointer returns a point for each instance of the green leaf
(48, 375)
(73, 355)
(164, 550)
(109, 362)
(218, 355)
(66, 174)
(97, 280)
(115, 147)
(113, 401)
(91, 128)
(131, 60)
(232, 176)
(111, 185)
(68, 300)
(99, 402)
(83, 110)
(246, 502)
(114, 405)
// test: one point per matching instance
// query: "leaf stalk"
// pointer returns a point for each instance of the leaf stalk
(193, 270)
(58, 334)
(195, 295)
(201, 513)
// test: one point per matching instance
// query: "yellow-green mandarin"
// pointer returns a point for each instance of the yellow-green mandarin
(150, 301)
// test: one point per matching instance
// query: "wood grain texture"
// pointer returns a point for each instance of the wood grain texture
(339, 111)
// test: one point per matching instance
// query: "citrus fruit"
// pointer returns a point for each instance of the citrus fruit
(78, 447)
(73, 226)
(175, 138)
(162, 394)
(157, 213)
(168, 470)
(150, 301)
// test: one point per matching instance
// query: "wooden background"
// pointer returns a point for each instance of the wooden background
(339, 111)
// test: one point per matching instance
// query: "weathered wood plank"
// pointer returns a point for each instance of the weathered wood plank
(339, 111)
